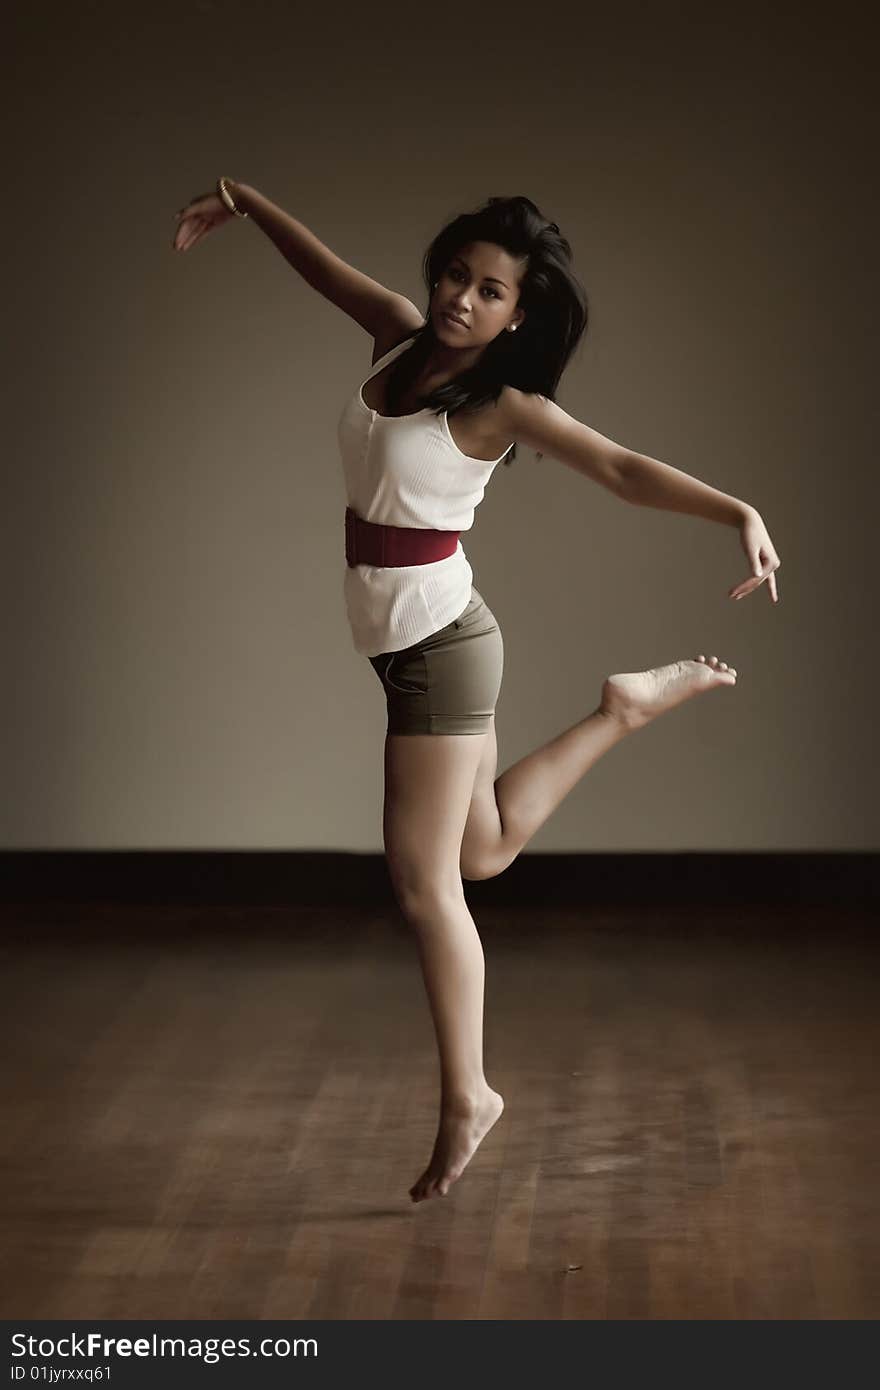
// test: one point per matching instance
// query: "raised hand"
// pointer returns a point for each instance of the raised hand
(761, 555)
(199, 216)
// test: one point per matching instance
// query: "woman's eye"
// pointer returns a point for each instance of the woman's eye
(458, 274)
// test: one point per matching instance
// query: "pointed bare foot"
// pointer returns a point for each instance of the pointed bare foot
(636, 697)
(463, 1126)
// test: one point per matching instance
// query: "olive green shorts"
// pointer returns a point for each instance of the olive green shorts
(446, 683)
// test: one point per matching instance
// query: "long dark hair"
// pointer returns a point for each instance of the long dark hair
(552, 297)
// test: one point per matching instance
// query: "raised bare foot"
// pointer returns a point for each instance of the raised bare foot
(636, 697)
(462, 1128)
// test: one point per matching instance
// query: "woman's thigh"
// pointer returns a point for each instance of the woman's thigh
(429, 779)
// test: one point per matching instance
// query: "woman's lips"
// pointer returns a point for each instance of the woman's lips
(450, 318)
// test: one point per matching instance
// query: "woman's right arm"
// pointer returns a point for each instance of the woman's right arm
(363, 299)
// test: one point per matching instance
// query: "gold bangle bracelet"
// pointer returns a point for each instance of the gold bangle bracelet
(226, 197)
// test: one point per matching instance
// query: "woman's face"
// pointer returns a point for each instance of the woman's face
(481, 286)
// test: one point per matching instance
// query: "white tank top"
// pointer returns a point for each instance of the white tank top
(407, 471)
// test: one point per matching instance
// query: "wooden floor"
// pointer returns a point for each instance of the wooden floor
(217, 1113)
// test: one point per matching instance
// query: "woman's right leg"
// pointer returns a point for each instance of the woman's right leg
(428, 783)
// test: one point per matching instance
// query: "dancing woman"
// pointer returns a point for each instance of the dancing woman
(449, 397)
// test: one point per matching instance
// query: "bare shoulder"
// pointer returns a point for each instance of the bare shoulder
(540, 424)
(521, 413)
(510, 419)
(399, 319)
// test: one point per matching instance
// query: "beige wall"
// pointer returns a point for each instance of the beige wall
(179, 671)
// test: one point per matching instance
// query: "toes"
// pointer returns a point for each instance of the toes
(429, 1187)
(716, 665)
(423, 1189)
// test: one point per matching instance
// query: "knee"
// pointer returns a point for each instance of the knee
(475, 869)
(423, 900)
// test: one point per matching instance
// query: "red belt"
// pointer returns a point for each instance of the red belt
(372, 543)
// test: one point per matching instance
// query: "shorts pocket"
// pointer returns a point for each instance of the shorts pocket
(405, 672)
(472, 615)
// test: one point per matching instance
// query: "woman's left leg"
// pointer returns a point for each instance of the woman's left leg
(506, 811)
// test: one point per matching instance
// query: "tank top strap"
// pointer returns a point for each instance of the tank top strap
(392, 352)
(385, 359)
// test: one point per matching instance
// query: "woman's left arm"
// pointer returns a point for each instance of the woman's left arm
(643, 481)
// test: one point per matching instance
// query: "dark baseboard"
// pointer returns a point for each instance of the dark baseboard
(328, 877)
